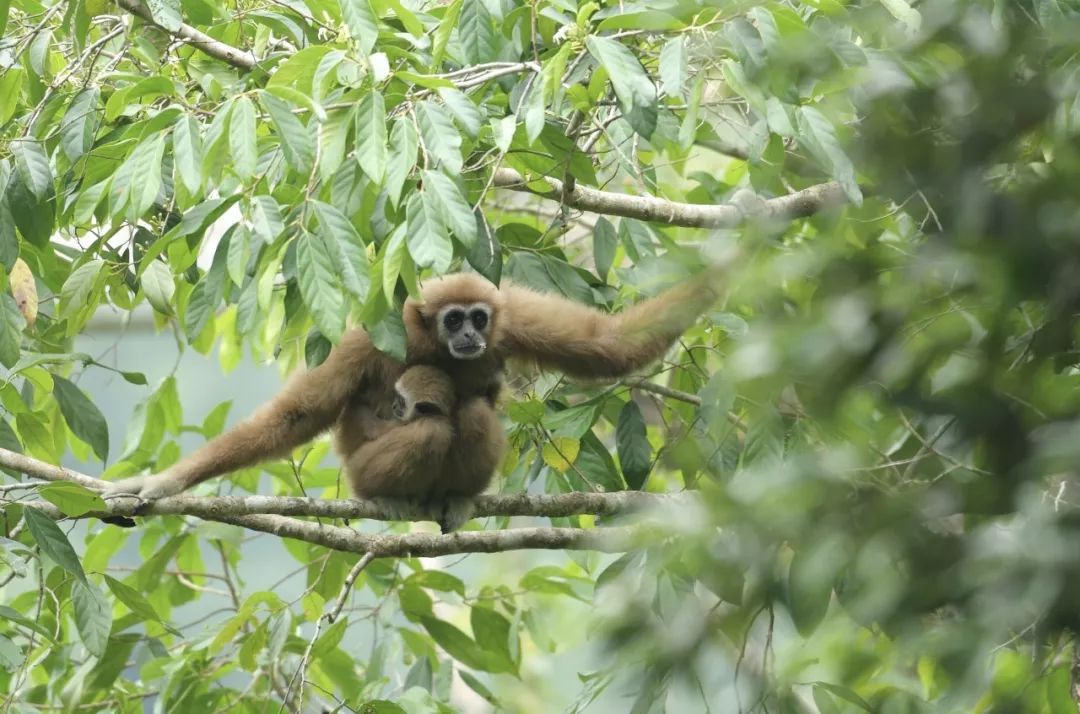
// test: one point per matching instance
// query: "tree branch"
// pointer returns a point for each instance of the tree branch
(268, 514)
(200, 40)
(649, 208)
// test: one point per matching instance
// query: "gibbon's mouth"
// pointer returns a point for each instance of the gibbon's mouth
(467, 351)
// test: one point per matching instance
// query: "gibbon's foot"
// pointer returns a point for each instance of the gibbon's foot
(146, 486)
(454, 513)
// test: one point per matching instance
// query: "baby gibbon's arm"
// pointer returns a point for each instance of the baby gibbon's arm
(307, 405)
(581, 341)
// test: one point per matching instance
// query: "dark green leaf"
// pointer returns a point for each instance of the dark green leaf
(133, 599)
(11, 326)
(316, 349)
(33, 166)
(82, 416)
(242, 138)
(456, 643)
(347, 248)
(400, 164)
(476, 32)
(492, 633)
(53, 542)
(633, 87)
(454, 209)
(296, 140)
(635, 453)
(604, 244)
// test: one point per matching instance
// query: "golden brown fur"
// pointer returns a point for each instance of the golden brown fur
(356, 383)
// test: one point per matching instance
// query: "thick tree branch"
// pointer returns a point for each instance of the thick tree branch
(200, 40)
(649, 208)
(270, 515)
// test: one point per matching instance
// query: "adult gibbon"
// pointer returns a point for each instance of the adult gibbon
(384, 461)
(468, 328)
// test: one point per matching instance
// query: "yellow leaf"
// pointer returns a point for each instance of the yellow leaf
(561, 452)
(24, 290)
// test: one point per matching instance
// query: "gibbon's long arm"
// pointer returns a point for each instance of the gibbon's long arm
(584, 342)
(308, 404)
(402, 463)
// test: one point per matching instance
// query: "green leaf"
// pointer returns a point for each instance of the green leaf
(389, 337)
(635, 453)
(442, 34)
(158, 285)
(72, 498)
(532, 108)
(53, 542)
(526, 411)
(166, 13)
(477, 33)
(673, 63)
(633, 88)
(492, 633)
(902, 11)
(347, 248)
(187, 153)
(816, 133)
(485, 254)
(429, 244)
(12, 323)
(298, 71)
(11, 81)
(33, 165)
(239, 253)
(437, 580)
(456, 643)
(93, 616)
(809, 590)
(82, 416)
(371, 151)
(266, 218)
(604, 245)
(1059, 692)
(242, 147)
(319, 285)
(79, 124)
(5, 7)
(455, 210)
(362, 23)
(573, 422)
(33, 217)
(441, 138)
(295, 139)
(133, 599)
(404, 141)
(464, 110)
(138, 179)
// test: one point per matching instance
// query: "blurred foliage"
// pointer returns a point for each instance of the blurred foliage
(888, 421)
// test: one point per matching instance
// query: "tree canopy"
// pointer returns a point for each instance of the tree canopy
(861, 463)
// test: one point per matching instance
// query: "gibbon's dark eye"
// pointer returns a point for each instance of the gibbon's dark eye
(453, 320)
(479, 319)
(427, 408)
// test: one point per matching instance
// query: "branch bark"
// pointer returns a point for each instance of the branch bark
(692, 215)
(200, 40)
(269, 514)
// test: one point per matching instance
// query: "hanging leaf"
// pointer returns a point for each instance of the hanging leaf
(319, 285)
(604, 244)
(166, 13)
(347, 248)
(632, 442)
(82, 416)
(80, 122)
(362, 23)
(476, 32)
(454, 209)
(93, 616)
(441, 138)
(371, 151)
(11, 328)
(53, 542)
(673, 66)
(158, 285)
(429, 244)
(187, 153)
(633, 88)
(401, 161)
(33, 165)
(816, 133)
(242, 146)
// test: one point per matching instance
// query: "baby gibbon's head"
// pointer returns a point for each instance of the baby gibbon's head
(423, 391)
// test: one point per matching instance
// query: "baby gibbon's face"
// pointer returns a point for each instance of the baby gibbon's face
(464, 329)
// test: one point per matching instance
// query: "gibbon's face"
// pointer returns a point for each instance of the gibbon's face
(464, 329)
(406, 410)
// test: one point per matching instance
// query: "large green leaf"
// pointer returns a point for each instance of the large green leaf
(347, 248)
(362, 23)
(53, 542)
(80, 122)
(82, 416)
(404, 143)
(371, 150)
(633, 87)
(93, 616)
(318, 277)
(635, 453)
(429, 243)
(242, 147)
(441, 138)
(454, 209)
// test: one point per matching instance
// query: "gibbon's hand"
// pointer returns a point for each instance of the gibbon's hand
(146, 486)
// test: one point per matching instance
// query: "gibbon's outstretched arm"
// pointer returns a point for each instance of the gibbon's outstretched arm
(308, 404)
(584, 342)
